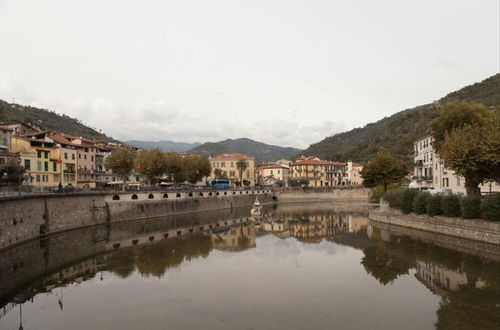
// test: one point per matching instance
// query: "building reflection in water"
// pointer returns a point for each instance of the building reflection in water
(469, 286)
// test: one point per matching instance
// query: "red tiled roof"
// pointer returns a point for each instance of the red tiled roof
(317, 162)
(232, 155)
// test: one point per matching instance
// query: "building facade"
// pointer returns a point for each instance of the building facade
(321, 173)
(227, 164)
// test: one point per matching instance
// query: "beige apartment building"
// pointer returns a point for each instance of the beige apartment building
(227, 164)
(430, 173)
(271, 173)
(322, 173)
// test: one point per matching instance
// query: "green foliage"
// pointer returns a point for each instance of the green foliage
(121, 162)
(11, 174)
(394, 197)
(152, 164)
(490, 207)
(434, 205)
(293, 183)
(304, 182)
(246, 183)
(471, 207)
(420, 203)
(456, 115)
(383, 170)
(407, 201)
(218, 173)
(241, 165)
(451, 206)
(395, 134)
(196, 167)
(473, 151)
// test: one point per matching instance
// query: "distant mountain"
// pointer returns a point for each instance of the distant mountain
(261, 151)
(48, 120)
(165, 146)
(396, 133)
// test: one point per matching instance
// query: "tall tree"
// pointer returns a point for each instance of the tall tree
(473, 152)
(175, 167)
(217, 173)
(383, 170)
(121, 162)
(196, 167)
(151, 163)
(241, 165)
(456, 115)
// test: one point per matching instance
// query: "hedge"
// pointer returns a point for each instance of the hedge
(490, 207)
(434, 205)
(471, 207)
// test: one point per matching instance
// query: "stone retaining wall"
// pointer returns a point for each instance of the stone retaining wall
(22, 219)
(311, 195)
(472, 229)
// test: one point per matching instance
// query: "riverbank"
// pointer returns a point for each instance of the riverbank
(469, 229)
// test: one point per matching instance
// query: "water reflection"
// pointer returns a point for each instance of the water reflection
(468, 286)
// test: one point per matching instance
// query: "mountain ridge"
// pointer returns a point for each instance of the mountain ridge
(397, 132)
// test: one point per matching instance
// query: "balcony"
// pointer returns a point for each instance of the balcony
(422, 178)
(69, 171)
(419, 163)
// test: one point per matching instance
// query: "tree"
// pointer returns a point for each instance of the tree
(12, 174)
(293, 182)
(303, 182)
(473, 151)
(175, 167)
(196, 167)
(217, 173)
(383, 170)
(455, 115)
(241, 165)
(121, 162)
(152, 164)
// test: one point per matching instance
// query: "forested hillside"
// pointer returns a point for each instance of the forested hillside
(396, 133)
(48, 120)
(261, 151)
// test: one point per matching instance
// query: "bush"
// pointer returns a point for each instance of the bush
(434, 205)
(419, 204)
(490, 207)
(394, 197)
(450, 206)
(471, 207)
(408, 196)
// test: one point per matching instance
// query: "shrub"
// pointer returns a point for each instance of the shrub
(490, 207)
(434, 205)
(471, 207)
(408, 196)
(450, 206)
(394, 197)
(419, 205)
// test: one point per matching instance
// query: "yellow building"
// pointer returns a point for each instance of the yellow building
(226, 163)
(321, 173)
(40, 158)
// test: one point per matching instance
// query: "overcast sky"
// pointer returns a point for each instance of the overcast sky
(283, 72)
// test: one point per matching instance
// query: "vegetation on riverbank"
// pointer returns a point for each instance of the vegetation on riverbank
(469, 207)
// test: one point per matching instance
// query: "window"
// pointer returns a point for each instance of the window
(2, 161)
(232, 164)
(54, 166)
(271, 171)
(248, 174)
(278, 171)
(46, 166)
(27, 164)
(222, 164)
(445, 182)
(39, 165)
(73, 156)
(38, 178)
(92, 158)
(38, 154)
(65, 155)
(84, 156)
(46, 155)
(136, 179)
(231, 173)
(458, 181)
(79, 156)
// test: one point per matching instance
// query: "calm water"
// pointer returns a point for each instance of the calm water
(297, 267)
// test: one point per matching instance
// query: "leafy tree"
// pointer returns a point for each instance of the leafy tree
(175, 167)
(12, 174)
(217, 172)
(456, 115)
(383, 170)
(293, 182)
(196, 167)
(121, 162)
(241, 165)
(473, 151)
(151, 163)
(246, 183)
(304, 182)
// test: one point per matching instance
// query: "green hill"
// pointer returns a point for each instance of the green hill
(261, 151)
(48, 120)
(396, 133)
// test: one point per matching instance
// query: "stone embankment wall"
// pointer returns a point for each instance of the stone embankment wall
(472, 229)
(22, 219)
(362, 195)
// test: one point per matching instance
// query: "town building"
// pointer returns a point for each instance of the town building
(321, 173)
(430, 172)
(6, 157)
(227, 164)
(272, 173)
